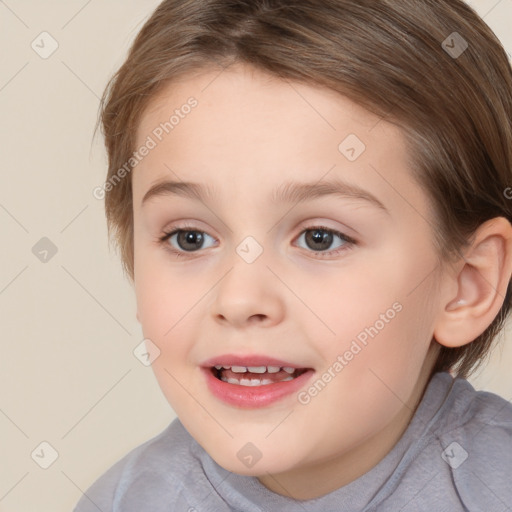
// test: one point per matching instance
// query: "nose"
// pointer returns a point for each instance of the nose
(249, 294)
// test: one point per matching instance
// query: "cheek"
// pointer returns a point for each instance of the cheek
(376, 313)
(372, 379)
(165, 302)
(163, 295)
(168, 302)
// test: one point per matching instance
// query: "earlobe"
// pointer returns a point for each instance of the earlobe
(485, 271)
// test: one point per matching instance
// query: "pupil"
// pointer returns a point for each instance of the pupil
(319, 236)
(194, 238)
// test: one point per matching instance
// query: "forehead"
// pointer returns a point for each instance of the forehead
(239, 88)
(250, 131)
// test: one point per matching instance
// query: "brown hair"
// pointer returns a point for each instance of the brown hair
(391, 56)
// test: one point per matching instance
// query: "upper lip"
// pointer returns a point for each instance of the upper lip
(248, 360)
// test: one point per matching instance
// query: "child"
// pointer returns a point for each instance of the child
(312, 200)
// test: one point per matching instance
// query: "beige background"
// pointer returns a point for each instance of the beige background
(69, 375)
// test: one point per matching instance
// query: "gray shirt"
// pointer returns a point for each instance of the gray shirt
(455, 455)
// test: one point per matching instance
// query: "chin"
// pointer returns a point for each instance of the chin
(261, 467)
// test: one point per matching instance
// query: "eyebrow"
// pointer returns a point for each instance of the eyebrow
(290, 192)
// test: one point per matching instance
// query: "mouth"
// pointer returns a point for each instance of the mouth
(253, 381)
(252, 376)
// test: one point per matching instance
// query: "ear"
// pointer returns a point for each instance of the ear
(481, 279)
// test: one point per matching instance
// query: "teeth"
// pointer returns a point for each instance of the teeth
(257, 369)
(249, 382)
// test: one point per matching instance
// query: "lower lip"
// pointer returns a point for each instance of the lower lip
(253, 397)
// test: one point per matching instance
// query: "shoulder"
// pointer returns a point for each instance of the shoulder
(145, 470)
(483, 417)
(476, 440)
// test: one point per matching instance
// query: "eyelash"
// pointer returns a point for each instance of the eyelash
(349, 242)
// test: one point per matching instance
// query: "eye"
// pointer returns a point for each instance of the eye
(317, 239)
(320, 238)
(187, 239)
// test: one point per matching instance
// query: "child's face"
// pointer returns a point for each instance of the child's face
(306, 297)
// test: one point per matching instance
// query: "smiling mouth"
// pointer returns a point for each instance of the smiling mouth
(256, 375)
